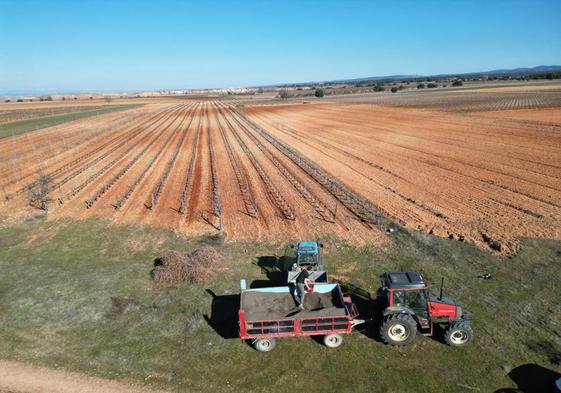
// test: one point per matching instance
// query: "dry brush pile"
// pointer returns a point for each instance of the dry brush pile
(197, 266)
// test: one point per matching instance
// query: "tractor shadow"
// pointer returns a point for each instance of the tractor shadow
(369, 308)
(274, 269)
(223, 316)
(532, 378)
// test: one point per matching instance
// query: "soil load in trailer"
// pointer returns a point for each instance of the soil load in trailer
(267, 313)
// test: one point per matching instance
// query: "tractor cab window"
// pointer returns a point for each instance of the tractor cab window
(414, 300)
(306, 259)
(399, 299)
(417, 300)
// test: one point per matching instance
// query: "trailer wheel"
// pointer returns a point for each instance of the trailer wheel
(264, 344)
(398, 329)
(332, 340)
(459, 334)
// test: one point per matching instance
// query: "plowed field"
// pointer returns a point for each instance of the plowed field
(476, 100)
(199, 167)
(483, 179)
(293, 171)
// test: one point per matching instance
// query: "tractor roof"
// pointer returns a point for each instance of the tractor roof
(307, 248)
(404, 280)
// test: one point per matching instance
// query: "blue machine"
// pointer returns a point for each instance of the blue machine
(302, 255)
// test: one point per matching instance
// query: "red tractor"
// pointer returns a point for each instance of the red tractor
(410, 306)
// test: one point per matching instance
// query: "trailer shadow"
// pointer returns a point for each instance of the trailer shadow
(369, 308)
(532, 378)
(261, 284)
(223, 316)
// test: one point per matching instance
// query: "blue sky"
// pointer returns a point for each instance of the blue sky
(135, 45)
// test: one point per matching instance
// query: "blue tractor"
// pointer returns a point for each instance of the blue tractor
(302, 255)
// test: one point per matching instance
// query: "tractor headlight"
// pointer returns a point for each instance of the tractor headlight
(459, 312)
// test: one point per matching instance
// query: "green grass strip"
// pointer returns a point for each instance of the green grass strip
(28, 125)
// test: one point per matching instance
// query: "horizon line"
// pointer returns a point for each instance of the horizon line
(62, 91)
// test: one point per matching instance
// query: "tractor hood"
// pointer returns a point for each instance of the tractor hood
(445, 307)
(444, 300)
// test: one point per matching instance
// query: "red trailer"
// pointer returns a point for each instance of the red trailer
(268, 313)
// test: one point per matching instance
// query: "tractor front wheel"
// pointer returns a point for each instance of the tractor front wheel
(459, 334)
(398, 329)
(264, 344)
(332, 340)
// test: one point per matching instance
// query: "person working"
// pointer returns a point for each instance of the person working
(303, 284)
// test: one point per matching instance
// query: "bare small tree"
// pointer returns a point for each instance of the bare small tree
(108, 99)
(283, 94)
(39, 195)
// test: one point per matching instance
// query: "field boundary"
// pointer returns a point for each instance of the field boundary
(29, 125)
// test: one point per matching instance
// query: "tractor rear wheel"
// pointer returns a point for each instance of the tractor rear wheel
(264, 344)
(398, 329)
(459, 334)
(332, 340)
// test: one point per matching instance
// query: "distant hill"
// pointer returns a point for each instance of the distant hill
(513, 71)
(541, 68)
(375, 78)
(503, 72)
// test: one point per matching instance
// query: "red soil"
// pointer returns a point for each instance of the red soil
(471, 177)
(296, 171)
(118, 160)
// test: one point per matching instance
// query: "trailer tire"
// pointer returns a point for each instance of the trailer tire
(264, 344)
(459, 334)
(398, 329)
(332, 340)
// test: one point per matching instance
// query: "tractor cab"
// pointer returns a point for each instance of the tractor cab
(408, 298)
(302, 255)
(307, 253)
(409, 290)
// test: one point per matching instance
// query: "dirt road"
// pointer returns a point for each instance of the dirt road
(18, 377)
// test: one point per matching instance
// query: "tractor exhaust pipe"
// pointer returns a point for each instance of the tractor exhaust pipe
(441, 288)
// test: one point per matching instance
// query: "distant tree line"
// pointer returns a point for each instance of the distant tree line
(534, 76)
(378, 84)
(381, 85)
